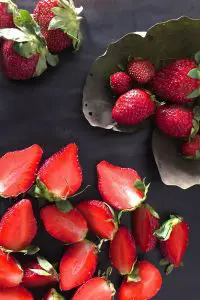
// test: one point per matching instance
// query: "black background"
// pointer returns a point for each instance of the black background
(48, 111)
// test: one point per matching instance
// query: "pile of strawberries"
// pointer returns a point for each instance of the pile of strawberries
(58, 180)
(170, 95)
(31, 41)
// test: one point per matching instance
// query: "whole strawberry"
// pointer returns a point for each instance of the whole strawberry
(133, 107)
(191, 149)
(177, 82)
(59, 21)
(141, 70)
(120, 83)
(6, 14)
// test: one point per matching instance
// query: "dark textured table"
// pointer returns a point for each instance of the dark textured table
(47, 111)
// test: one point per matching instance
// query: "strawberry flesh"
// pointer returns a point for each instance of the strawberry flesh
(15, 293)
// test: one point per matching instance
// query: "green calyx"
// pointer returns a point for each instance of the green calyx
(164, 232)
(46, 268)
(152, 211)
(41, 191)
(54, 295)
(195, 122)
(67, 18)
(134, 275)
(29, 250)
(195, 74)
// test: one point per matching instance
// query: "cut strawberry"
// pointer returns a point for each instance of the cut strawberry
(53, 295)
(78, 264)
(100, 218)
(18, 169)
(123, 251)
(15, 293)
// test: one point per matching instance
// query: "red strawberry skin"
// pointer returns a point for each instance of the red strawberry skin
(144, 226)
(11, 273)
(133, 107)
(15, 293)
(141, 70)
(123, 251)
(173, 83)
(120, 83)
(174, 120)
(19, 221)
(6, 18)
(77, 265)
(116, 186)
(99, 218)
(191, 148)
(18, 170)
(69, 227)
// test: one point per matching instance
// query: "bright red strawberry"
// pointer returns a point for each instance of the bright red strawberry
(61, 175)
(53, 295)
(144, 283)
(120, 83)
(18, 226)
(78, 264)
(39, 273)
(123, 251)
(96, 288)
(18, 170)
(133, 107)
(100, 218)
(15, 293)
(11, 273)
(141, 70)
(122, 188)
(60, 23)
(6, 16)
(191, 149)
(174, 237)
(174, 82)
(68, 227)
(145, 221)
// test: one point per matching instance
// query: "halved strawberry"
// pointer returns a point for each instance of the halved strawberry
(145, 221)
(100, 218)
(15, 293)
(78, 264)
(39, 273)
(53, 295)
(11, 273)
(123, 251)
(18, 169)
(60, 176)
(68, 227)
(18, 226)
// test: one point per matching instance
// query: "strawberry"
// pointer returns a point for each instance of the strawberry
(100, 218)
(120, 83)
(122, 188)
(78, 264)
(133, 107)
(176, 81)
(68, 227)
(18, 221)
(60, 176)
(11, 273)
(144, 283)
(174, 236)
(59, 21)
(191, 149)
(18, 170)
(123, 251)
(96, 288)
(53, 295)
(6, 14)
(15, 293)
(145, 221)
(141, 70)
(39, 273)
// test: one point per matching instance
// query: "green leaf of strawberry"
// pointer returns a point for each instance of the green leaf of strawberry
(194, 94)
(64, 206)
(164, 232)
(14, 34)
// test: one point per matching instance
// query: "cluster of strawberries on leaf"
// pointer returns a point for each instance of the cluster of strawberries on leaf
(58, 180)
(170, 95)
(29, 42)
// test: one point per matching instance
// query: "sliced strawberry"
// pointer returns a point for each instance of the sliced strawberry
(123, 251)
(53, 295)
(122, 188)
(78, 264)
(100, 218)
(96, 288)
(15, 293)
(11, 273)
(18, 169)
(68, 227)
(145, 221)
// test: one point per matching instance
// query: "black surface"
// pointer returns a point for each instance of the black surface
(47, 111)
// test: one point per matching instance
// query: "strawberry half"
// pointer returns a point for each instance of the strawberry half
(100, 218)
(145, 221)
(78, 264)
(18, 169)
(53, 295)
(11, 273)
(68, 227)
(123, 251)
(60, 176)
(18, 226)
(15, 293)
